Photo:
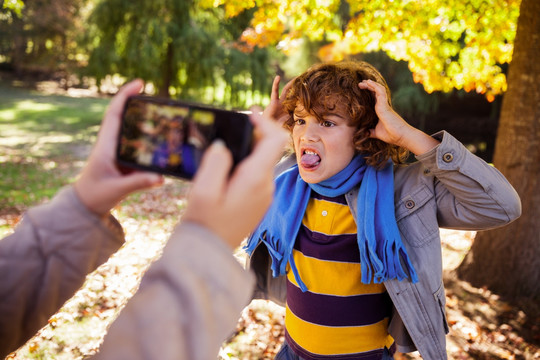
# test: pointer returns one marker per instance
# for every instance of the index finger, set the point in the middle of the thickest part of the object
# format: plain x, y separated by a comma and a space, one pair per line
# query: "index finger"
375, 87
274, 95
287, 87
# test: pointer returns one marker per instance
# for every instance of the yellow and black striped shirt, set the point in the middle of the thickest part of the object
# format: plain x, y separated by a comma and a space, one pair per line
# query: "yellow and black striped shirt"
339, 317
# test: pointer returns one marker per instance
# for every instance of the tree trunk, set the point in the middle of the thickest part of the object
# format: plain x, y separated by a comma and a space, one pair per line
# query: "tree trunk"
507, 260
167, 72
20, 40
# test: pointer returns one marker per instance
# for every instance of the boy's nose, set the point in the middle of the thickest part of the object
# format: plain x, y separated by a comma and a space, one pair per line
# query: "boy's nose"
311, 132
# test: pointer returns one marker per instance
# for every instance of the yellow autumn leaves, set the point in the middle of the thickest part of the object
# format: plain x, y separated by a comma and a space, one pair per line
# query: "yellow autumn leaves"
447, 43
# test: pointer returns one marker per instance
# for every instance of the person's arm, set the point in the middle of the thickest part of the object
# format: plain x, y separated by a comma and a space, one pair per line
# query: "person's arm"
56, 245
190, 299
46, 260
188, 303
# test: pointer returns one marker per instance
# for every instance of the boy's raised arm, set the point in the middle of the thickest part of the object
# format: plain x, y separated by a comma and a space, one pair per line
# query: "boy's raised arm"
392, 128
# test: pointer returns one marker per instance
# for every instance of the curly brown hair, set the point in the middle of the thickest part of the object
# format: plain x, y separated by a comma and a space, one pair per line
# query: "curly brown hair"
325, 86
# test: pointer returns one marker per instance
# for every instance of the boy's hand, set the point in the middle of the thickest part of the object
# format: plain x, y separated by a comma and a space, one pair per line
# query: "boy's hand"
275, 108
232, 206
392, 128
101, 185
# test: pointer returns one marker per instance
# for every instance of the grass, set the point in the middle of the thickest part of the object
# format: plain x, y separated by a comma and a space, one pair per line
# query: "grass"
44, 140
23, 183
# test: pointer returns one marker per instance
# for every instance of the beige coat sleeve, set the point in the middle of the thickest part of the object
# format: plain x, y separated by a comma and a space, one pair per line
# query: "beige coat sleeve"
188, 303
45, 261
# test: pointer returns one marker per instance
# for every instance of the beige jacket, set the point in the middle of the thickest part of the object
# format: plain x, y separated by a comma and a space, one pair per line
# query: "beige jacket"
189, 301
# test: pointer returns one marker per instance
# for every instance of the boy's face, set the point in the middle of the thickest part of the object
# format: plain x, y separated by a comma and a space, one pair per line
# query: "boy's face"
323, 147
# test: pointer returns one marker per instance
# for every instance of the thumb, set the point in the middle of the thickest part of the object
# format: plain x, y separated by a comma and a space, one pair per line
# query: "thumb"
212, 176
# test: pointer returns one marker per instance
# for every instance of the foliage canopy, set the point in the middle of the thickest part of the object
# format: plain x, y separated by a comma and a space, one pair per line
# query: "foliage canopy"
13, 5
174, 44
447, 44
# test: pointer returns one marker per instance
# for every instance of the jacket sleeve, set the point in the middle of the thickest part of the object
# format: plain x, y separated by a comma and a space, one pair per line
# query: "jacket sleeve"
46, 260
471, 194
188, 303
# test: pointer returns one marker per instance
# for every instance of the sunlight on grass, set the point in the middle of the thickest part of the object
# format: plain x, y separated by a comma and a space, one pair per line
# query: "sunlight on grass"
7, 115
5, 230
27, 183
56, 138
30, 105
14, 137
43, 139
96, 108
70, 120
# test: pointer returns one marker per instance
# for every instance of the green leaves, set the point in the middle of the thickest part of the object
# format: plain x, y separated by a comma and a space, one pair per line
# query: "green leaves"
16, 6
185, 47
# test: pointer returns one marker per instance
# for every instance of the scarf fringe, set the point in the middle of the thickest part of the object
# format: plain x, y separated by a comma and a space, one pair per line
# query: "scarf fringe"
393, 267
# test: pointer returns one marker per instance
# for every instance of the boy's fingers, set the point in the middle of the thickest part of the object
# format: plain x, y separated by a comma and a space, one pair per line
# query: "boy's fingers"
212, 175
275, 88
286, 88
366, 85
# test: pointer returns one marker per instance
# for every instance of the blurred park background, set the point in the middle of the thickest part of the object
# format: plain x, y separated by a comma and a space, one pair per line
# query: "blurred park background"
467, 66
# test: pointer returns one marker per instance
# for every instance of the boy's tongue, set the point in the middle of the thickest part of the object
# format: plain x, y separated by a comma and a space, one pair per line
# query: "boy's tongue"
310, 160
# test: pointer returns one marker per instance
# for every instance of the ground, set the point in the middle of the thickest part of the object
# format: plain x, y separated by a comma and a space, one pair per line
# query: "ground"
482, 325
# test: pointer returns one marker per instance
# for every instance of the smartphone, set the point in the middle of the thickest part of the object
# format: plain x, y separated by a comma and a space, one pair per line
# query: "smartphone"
169, 137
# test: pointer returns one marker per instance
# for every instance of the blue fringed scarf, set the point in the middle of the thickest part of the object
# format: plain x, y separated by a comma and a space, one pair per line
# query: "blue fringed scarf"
379, 240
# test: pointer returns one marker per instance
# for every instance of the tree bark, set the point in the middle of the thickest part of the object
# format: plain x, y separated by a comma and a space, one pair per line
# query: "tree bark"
167, 72
507, 260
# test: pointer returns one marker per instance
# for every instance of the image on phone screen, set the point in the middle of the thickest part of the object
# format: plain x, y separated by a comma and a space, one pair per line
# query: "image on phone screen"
170, 137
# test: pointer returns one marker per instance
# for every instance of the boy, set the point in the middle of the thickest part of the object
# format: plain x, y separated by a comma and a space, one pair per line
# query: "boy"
351, 240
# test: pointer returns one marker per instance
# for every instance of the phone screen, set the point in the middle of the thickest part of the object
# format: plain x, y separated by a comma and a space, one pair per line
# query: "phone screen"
170, 137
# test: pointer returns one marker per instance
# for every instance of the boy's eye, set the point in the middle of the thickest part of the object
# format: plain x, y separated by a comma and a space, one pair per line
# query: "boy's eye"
299, 121
327, 123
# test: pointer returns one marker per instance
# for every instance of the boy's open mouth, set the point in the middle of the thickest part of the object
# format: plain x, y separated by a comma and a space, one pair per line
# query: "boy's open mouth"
310, 159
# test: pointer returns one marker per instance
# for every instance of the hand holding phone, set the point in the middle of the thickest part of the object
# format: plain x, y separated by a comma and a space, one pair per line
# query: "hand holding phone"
232, 204
100, 186
169, 137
